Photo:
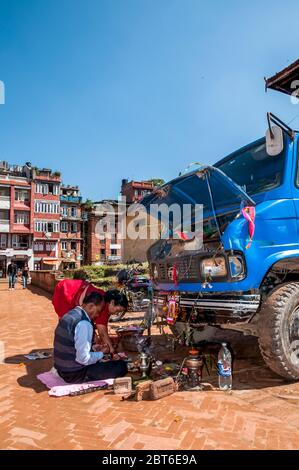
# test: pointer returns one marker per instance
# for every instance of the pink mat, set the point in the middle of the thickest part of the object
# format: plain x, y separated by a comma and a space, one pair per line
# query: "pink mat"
59, 388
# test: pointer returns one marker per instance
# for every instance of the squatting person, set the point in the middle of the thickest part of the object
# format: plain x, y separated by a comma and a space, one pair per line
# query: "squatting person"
74, 359
70, 293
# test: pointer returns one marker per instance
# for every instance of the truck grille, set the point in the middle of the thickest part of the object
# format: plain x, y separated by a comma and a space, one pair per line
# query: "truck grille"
187, 269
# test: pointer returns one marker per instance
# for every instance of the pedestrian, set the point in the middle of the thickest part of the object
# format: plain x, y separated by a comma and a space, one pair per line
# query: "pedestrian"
12, 275
25, 275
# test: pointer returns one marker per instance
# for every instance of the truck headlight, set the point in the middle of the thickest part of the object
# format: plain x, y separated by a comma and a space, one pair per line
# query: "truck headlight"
236, 266
213, 267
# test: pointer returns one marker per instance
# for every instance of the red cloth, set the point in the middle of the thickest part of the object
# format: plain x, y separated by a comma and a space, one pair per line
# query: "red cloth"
67, 295
249, 214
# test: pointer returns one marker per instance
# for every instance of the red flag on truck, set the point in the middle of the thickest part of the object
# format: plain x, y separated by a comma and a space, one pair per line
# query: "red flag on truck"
249, 214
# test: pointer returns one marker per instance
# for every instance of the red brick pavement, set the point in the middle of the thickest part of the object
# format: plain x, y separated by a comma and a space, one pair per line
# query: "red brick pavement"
262, 412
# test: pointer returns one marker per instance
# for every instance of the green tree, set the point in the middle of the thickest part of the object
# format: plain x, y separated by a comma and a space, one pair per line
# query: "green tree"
157, 181
88, 204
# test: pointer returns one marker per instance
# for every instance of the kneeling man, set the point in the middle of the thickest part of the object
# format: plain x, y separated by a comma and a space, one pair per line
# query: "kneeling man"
74, 359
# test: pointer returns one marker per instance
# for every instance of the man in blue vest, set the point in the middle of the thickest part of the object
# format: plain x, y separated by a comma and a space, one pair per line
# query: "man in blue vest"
74, 359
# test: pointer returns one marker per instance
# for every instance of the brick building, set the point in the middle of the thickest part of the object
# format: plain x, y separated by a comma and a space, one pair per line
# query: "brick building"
16, 216
46, 196
134, 191
109, 248
70, 246
42, 223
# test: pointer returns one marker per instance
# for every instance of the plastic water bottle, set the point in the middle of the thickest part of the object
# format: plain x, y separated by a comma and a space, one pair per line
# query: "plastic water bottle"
224, 366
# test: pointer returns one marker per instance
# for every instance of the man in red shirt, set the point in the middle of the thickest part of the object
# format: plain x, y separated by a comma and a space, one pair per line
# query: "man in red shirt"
69, 293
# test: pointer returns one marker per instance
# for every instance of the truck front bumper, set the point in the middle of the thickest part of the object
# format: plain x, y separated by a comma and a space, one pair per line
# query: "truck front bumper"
214, 308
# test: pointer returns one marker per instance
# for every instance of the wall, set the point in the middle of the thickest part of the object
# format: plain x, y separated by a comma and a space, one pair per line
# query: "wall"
136, 249
95, 245
44, 279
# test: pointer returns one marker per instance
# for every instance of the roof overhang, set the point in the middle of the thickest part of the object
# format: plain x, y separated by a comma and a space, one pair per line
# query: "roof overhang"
284, 81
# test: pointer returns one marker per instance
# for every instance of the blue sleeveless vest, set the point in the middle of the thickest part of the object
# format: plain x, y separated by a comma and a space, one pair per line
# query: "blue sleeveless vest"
64, 341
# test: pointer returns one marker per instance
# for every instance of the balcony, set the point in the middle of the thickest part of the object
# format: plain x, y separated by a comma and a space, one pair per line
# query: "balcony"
5, 202
21, 205
75, 218
45, 175
21, 228
74, 199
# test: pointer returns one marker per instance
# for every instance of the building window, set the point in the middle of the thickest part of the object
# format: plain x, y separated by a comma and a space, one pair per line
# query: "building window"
4, 216
53, 227
64, 246
20, 241
43, 188
40, 226
3, 240
21, 218
64, 226
64, 211
103, 251
74, 211
45, 226
22, 195
46, 207
4, 192
74, 227
113, 252
54, 189
50, 246
73, 246
103, 241
38, 246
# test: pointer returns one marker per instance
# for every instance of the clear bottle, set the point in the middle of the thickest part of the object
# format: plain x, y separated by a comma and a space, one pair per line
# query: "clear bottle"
224, 366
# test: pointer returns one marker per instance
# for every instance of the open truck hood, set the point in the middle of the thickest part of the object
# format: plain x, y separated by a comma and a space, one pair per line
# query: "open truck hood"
220, 197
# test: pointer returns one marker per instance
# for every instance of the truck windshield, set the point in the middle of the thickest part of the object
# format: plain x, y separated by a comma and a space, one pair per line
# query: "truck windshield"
253, 169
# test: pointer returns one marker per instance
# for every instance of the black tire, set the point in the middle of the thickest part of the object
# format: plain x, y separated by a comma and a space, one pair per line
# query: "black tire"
278, 330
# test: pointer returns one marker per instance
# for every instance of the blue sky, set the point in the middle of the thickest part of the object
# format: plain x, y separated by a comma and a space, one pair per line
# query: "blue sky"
110, 89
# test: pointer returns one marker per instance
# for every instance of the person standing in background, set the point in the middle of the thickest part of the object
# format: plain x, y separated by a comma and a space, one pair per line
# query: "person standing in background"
25, 275
12, 274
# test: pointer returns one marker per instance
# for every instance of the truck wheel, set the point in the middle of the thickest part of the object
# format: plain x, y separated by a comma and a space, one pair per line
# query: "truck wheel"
279, 330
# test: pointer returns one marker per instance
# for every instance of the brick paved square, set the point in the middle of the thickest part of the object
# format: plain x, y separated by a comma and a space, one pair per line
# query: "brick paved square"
262, 412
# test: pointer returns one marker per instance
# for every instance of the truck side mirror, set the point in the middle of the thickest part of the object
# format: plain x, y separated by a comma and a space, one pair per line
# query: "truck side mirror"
274, 141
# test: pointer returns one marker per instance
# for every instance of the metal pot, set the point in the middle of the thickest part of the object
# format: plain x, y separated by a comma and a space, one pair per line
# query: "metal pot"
194, 364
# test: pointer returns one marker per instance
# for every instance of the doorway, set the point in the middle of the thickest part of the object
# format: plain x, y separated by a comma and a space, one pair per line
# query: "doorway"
3, 266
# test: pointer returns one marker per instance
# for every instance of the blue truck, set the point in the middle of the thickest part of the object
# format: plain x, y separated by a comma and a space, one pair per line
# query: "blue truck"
245, 275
